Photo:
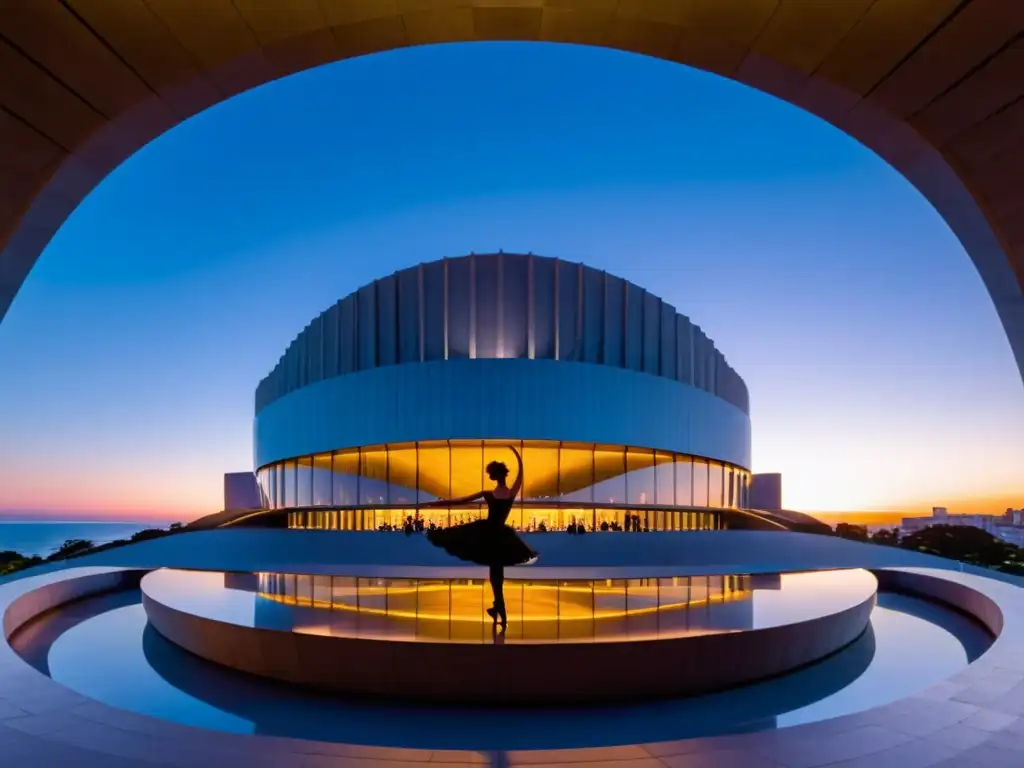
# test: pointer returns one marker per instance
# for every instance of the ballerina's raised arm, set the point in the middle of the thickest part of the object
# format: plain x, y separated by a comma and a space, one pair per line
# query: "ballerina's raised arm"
518, 484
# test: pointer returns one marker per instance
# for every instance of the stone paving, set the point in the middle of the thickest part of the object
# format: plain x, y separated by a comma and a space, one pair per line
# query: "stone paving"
975, 718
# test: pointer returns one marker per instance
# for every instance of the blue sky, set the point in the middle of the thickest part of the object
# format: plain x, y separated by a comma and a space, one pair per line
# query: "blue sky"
879, 374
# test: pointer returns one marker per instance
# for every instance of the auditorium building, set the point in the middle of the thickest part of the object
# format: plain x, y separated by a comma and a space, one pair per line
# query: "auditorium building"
626, 414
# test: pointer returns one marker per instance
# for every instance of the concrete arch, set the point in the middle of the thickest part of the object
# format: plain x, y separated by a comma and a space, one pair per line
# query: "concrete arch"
934, 87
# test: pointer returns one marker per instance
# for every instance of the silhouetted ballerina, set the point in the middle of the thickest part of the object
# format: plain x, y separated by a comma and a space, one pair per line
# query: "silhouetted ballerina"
490, 541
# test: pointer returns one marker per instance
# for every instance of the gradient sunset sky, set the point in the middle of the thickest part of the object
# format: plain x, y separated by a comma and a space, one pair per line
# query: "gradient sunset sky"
880, 376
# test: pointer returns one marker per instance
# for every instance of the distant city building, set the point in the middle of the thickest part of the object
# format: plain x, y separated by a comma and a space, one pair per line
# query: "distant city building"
1009, 526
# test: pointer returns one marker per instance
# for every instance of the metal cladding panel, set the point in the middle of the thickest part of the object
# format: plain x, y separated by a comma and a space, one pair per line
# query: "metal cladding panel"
366, 327
716, 362
543, 303
593, 316
652, 334
684, 349
634, 335
569, 306
700, 359
409, 315
348, 343
387, 321
614, 321
315, 349
460, 307
434, 293
331, 341
515, 305
540, 400
291, 381
302, 363
501, 306
487, 315
668, 340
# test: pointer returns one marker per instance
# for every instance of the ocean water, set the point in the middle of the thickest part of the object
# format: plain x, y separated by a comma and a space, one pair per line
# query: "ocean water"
45, 538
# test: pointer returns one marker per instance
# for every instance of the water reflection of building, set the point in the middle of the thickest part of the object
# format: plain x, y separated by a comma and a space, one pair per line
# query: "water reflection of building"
626, 414
543, 610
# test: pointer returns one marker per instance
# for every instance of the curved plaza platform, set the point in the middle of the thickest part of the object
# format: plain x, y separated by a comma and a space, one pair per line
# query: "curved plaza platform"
569, 642
971, 719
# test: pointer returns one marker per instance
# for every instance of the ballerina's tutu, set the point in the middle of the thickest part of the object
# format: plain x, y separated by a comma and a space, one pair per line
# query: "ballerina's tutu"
484, 542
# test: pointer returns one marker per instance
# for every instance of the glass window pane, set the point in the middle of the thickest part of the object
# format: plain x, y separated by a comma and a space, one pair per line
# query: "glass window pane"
402, 473
289, 483
715, 484
305, 481
467, 468
304, 589
700, 483
346, 478
343, 592
684, 481
639, 477
540, 470
434, 472
609, 474
322, 590
322, 480
576, 473
373, 475
665, 480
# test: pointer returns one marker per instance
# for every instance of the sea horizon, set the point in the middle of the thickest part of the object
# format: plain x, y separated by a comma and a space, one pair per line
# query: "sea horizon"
44, 537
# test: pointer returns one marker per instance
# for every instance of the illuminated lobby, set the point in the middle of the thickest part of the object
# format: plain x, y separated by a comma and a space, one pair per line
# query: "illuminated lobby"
627, 416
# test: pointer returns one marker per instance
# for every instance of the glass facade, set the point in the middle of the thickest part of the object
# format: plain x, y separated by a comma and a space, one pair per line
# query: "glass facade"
598, 487
461, 599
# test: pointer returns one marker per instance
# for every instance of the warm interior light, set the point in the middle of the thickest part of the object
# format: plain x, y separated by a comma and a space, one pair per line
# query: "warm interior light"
447, 601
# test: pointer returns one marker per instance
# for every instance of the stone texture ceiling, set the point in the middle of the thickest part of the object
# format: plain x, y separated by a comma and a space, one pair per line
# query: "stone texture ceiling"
933, 86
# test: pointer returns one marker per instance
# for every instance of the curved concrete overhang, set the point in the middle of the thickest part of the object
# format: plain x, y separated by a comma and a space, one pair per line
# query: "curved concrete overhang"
970, 719
502, 400
934, 88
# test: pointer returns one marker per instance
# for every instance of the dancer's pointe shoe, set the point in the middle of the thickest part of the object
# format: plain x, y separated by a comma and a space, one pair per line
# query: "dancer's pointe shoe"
503, 617
493, 613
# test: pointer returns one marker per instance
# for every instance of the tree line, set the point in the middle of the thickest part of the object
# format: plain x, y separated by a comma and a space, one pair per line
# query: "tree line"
957, 542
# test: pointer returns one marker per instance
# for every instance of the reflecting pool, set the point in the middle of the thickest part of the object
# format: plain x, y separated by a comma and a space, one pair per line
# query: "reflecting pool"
105, 649
540, 611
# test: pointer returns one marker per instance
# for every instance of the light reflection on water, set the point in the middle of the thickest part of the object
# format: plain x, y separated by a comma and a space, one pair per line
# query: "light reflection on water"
115, 658
437, 610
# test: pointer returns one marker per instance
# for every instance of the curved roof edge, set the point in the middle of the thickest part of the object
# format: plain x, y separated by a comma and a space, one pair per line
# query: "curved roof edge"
503, 305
